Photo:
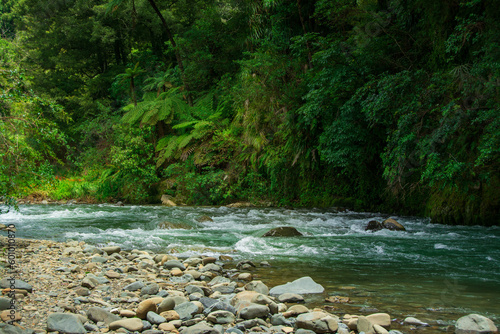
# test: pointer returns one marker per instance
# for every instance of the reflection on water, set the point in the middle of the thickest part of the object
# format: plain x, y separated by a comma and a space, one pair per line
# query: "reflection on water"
431, 271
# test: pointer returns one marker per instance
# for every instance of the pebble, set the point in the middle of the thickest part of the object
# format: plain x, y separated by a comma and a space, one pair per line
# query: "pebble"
8, 316
291, 298
414, 321
132, 324
155, 318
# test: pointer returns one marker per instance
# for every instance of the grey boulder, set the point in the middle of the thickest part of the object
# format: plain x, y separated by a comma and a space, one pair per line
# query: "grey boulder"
97, 314
304, 285
475, 324
65, 323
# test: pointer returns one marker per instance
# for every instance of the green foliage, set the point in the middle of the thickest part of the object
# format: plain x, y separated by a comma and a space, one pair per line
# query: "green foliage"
130, 175
375, 105
154, 109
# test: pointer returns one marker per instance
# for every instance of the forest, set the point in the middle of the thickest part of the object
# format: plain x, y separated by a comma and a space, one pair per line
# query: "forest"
372, 105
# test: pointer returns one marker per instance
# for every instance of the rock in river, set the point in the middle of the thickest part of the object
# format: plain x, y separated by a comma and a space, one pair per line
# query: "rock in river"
393, 225
283, 231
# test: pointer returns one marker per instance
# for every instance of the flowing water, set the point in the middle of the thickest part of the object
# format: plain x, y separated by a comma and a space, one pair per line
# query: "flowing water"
434, 272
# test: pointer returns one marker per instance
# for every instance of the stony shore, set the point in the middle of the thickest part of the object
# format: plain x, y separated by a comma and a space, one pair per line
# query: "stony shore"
74, 287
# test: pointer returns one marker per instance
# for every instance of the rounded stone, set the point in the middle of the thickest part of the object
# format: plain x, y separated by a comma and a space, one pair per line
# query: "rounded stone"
475, 324
290, 298
170, 315
97, 314
283, 231
381, 319
6, 316
245, 277
134, 286
303, 285
111, 249
127, 313
364, 325
208, 259
155, 318
187, 310
171, 264
18, 284
414, 321
319, 322
254, 311
168, 327
4, 303
147, 305
150, 289
176, 272
112, 274
257, 286
65, 323
131, 324
393, 225
166, 304
221, 317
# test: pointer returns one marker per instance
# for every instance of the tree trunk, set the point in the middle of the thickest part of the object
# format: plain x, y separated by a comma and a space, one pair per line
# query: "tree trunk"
177, 53
309, 54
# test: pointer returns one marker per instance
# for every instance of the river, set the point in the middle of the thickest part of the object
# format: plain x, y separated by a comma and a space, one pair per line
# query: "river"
434, 272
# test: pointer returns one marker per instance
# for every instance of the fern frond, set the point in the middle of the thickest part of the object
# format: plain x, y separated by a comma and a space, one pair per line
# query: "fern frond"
169, 150
184, 125
162, 143
202, 124
151, 116
184, 140
135, 114
186, 153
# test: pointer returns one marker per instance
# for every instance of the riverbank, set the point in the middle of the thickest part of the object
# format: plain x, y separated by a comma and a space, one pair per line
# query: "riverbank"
74, 287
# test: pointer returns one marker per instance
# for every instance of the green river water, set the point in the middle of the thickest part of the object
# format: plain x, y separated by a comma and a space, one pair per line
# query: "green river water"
434, 272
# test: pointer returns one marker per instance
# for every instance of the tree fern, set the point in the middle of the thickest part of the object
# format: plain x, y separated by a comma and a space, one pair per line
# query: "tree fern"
194, 132
157, 108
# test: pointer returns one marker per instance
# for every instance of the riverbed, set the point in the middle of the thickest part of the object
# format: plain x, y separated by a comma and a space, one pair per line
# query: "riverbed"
434, 272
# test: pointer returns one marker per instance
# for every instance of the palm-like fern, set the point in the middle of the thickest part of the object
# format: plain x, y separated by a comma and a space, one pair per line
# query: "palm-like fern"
193, 135
154, 109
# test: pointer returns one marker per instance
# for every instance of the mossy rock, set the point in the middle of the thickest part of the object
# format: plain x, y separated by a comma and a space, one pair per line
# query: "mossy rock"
283, 231
392, 225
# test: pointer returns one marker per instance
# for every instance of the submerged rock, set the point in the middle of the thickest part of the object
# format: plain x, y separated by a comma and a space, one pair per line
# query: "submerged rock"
167, 225
283, 231
204, 218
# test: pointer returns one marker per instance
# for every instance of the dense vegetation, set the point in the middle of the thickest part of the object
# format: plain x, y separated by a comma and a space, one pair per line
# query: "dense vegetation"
388, 105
